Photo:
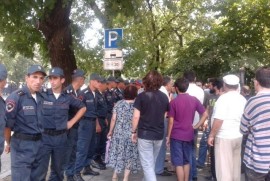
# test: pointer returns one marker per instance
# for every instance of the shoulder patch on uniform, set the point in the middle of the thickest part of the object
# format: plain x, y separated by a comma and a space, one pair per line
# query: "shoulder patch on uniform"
85, 91
10, 105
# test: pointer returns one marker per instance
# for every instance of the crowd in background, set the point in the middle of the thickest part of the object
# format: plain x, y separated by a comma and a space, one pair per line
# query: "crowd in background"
140, 119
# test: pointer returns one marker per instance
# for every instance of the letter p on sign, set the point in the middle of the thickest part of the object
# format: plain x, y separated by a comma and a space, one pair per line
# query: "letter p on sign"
113, 37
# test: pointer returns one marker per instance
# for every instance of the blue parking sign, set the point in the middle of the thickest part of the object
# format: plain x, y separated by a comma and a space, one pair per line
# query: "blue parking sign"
113, 37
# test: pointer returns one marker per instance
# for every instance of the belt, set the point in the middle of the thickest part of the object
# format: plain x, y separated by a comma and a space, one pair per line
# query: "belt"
88, 118
30, 137
53, 132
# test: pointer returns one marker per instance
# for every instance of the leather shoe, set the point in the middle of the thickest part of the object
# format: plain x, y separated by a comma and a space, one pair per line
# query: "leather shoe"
164, 173
98, 165
88, 171
78, 177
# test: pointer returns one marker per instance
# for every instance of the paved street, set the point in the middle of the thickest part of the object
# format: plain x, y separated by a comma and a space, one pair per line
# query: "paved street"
105, 175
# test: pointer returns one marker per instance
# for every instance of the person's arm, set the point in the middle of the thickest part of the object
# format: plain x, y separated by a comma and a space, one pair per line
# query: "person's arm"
113, 120
202, 120
76, 118
170, 125
135, 121
215, 128
7, 138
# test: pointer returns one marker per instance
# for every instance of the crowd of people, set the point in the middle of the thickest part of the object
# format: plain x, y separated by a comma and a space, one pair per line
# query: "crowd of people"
129, 125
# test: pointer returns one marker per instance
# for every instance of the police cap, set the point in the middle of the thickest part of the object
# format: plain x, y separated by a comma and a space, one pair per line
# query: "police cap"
36, 68
56, 71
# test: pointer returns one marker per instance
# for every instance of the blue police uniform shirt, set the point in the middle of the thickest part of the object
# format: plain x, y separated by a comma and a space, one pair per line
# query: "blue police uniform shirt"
110, 99
101, 105
2, 124
23, 112
88, 98
72, 110
118, 94
55, 111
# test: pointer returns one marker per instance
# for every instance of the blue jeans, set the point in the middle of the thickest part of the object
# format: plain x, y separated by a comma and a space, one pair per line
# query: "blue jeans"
54, 148
85, 144
159, 167
148, 152
203, 148
72, 137
25, 159
193, 168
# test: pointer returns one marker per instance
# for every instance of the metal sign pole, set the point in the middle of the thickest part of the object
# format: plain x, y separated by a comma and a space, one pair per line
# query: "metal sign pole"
113, 73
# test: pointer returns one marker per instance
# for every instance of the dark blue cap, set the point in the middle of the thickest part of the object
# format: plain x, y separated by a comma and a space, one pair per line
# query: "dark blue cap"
36, 68
3, 72
111, 79
103, 80
95, 76
56, 71
126, 82
120, 79
78, 73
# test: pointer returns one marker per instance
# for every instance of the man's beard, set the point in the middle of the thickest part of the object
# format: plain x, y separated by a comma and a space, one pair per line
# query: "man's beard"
212, 91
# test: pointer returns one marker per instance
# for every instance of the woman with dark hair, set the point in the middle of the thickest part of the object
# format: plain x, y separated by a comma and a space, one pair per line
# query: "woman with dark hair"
149, 112
123, 153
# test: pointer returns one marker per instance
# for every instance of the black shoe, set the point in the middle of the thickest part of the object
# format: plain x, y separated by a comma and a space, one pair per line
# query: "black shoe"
98, 165
164, 173
88, 171
194, 178
78, 177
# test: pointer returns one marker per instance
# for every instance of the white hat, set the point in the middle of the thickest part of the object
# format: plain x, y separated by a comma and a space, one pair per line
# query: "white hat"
231, 79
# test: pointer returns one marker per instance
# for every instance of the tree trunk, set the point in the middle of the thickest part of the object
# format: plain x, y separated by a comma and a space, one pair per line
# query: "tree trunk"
57, 31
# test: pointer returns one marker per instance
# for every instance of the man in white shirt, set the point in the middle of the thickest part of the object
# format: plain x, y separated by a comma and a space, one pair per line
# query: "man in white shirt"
225, 131
197, 92
159, 167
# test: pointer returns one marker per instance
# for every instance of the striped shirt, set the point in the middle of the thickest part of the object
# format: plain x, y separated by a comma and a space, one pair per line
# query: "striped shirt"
256, 123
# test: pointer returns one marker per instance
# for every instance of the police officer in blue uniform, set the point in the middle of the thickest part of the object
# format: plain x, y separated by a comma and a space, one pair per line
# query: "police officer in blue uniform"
73, 89
110, 97
87, 130
101, 135
23, 117
119, 90
3, 77
56, 122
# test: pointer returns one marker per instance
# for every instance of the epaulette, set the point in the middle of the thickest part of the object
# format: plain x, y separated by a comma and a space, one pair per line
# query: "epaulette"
20, 93
69, 91
85, 90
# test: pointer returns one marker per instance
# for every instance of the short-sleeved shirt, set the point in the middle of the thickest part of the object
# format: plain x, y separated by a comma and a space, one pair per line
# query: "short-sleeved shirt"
210, 101
152, 106
23, 112
229, 108
256, 124
183, 109
56, 111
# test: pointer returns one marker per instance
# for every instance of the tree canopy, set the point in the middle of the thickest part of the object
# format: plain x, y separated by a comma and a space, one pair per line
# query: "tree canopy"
210, 37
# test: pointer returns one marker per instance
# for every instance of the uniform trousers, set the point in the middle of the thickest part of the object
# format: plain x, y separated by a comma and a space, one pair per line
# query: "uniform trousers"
228, 159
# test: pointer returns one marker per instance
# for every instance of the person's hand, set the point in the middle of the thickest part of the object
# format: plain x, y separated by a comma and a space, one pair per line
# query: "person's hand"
167, 141
210, 140
109, 135
98, 128
205, 126
134, 137
7, 149
69, 124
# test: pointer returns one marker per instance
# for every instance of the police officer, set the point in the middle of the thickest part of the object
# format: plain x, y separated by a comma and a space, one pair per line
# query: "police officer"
73, 89
23, 117
3, 77
110, 97
101, 135
119, 90
87, 130
55, 123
